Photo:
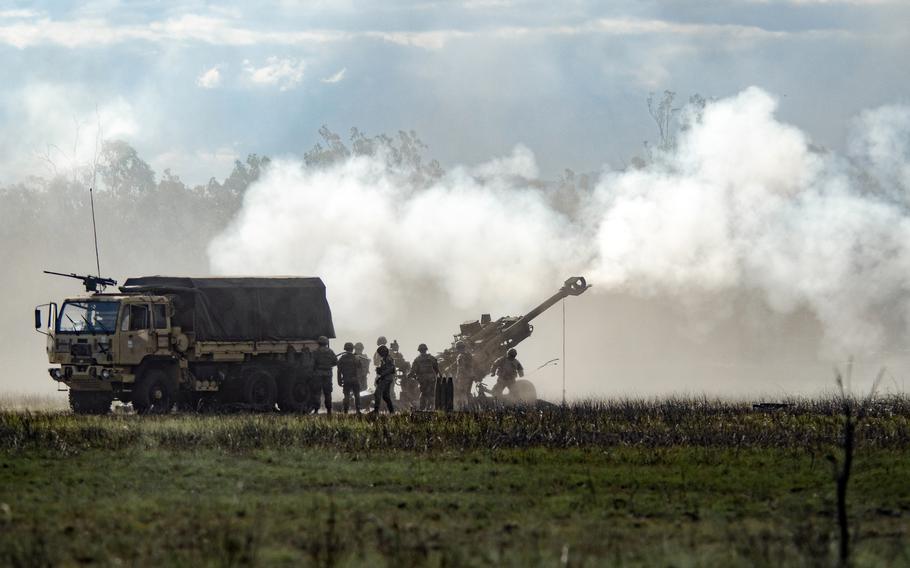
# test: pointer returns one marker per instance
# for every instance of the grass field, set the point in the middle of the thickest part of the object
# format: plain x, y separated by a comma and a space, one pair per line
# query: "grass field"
682, 482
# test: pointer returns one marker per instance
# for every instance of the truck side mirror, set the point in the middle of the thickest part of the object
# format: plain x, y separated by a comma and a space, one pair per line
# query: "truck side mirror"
37, 318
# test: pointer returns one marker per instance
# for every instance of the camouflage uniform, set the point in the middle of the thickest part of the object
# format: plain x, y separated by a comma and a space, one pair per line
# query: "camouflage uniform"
425, 369
324, 359
385, 378
464, 378
349, 379
363, 371
377, 360
505, 368
410, 390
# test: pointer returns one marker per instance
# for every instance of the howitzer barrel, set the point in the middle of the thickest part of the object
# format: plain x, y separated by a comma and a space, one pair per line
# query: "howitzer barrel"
574, 286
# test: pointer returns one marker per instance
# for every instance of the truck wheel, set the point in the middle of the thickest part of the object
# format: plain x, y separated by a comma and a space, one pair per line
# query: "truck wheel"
153, 393
259, 389
294, 395
83, 402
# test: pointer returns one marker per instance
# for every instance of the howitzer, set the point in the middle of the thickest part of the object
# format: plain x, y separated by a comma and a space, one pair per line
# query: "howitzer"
487, 340
90, 282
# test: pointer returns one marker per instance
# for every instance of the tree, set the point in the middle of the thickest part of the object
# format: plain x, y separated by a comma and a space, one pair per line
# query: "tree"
122, 170
334, 150
663, 113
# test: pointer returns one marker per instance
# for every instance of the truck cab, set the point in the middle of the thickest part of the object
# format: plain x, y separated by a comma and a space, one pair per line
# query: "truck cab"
99, 340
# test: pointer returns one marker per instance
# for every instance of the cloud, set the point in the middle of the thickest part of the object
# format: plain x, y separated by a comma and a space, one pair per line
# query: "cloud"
18, 14
810, 2
210, 79
336, 78
32, 30
285, 73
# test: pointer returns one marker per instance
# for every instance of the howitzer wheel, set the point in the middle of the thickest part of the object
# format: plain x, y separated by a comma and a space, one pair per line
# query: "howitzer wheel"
522, 392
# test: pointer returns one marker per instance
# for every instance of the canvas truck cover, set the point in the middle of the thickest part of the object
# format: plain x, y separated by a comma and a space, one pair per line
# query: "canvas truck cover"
244, 309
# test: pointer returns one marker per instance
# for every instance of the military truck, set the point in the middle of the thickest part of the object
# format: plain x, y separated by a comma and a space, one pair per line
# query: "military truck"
487, 340
163, 341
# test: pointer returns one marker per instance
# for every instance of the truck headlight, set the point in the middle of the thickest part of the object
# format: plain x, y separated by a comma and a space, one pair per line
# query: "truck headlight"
106, 374
56, 374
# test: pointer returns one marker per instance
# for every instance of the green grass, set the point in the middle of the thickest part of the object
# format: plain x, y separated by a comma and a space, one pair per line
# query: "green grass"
692, 483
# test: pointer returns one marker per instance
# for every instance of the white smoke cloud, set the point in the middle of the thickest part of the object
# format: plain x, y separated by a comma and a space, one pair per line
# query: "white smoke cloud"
379, 242
745, 204
60, 127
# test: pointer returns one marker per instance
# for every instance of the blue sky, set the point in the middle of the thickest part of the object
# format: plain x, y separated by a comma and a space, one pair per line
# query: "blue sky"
195, 85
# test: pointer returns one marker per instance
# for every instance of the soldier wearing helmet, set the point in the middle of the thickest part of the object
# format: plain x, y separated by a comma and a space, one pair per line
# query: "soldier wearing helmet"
410, 390
507, 368
385, 378
324, 359
349, 377
465, 374
364, 368
425, 369
380, 341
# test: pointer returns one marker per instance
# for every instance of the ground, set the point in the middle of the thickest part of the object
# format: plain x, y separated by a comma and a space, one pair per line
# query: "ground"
673, 483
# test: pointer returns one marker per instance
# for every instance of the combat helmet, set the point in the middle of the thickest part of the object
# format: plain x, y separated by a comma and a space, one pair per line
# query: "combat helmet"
381, 340
394, 346
512, 353
358, 346
422, 347
459, 346
323, 340
348, 346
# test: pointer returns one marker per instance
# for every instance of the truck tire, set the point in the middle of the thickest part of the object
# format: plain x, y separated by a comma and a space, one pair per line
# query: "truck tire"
89, 402
260, 390
154, 393
294, 395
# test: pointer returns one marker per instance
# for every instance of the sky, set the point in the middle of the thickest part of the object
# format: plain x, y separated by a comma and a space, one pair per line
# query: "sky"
195, 85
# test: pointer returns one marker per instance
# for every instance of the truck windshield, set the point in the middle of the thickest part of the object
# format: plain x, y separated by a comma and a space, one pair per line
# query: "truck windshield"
85, 316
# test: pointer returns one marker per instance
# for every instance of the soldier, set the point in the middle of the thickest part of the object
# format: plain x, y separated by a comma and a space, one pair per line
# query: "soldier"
506, 368
464, 374
380, 341
425, 369
363, 370
349, 377
324, 359
385, 378
410, 390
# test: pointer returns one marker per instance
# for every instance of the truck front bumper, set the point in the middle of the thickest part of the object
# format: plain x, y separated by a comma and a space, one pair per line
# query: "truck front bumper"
88, 377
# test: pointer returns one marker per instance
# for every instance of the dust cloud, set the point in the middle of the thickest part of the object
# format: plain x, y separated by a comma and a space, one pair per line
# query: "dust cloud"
742, 260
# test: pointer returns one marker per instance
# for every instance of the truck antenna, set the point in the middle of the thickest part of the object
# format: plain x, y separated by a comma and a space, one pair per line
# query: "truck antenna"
91, 197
